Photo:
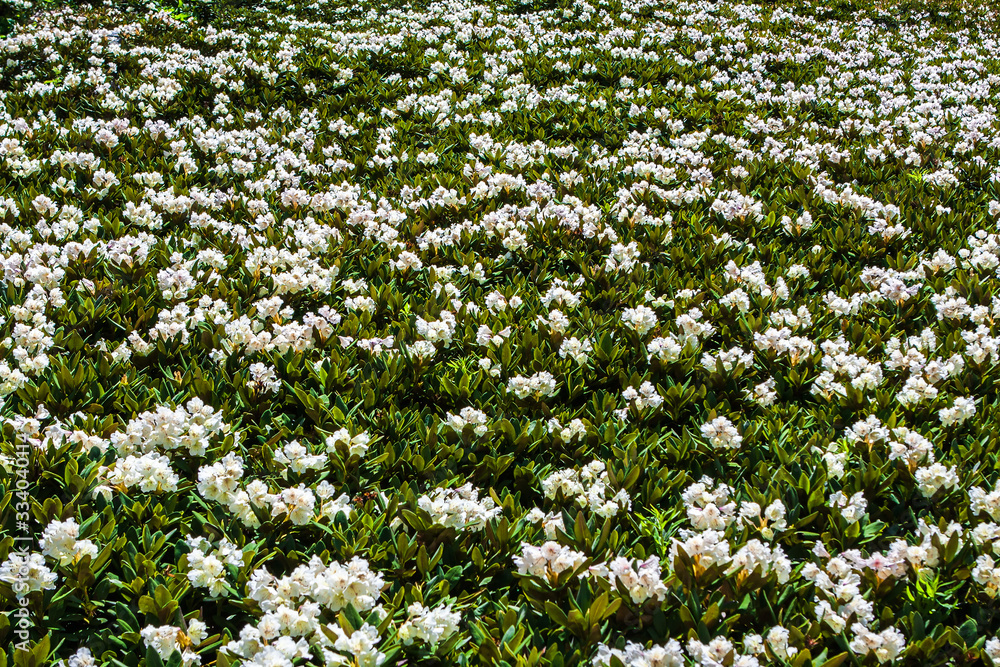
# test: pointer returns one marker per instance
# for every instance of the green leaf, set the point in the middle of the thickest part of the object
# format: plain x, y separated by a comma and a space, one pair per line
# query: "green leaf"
126, 618
557, 615
836, 660
153, 658
352, 616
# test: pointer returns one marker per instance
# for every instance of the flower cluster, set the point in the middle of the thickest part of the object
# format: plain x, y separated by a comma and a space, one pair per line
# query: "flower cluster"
349, 334
167, 640
641, 580
427, 625
206, 566
61, 541
548, 561
587, 487
459, 508
191, 427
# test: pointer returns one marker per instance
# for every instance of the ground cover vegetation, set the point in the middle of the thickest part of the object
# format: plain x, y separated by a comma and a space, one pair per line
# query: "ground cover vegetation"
555, 333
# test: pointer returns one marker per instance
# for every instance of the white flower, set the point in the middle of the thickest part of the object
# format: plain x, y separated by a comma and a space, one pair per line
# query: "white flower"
708, 505
297, 458
963, 409
540, 385
634, 655
932, 478
82, 658
150, 472
721, 433
459, 508
587, 487
777, 639
708, 548
59, 540
332, 587
430, 626
467, 416
757, 555
665, 348
206, 567
640, 319
356, 445
642, 579
219, 481
646, 396
263, 378
438, 331
993, 644
763, 394
27, 573
167, 640
728, 359
192, 427
576, 349
852, 509
299, 503
548, 560
362, 645
886, 645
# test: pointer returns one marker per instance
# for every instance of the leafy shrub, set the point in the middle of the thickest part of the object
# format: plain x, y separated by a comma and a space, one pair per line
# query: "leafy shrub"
514, 333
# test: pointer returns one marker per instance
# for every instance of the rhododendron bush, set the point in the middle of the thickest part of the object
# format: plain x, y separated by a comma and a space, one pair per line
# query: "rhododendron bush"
595, 332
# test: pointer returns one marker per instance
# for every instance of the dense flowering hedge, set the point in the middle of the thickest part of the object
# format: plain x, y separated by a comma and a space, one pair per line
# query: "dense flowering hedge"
643, 333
